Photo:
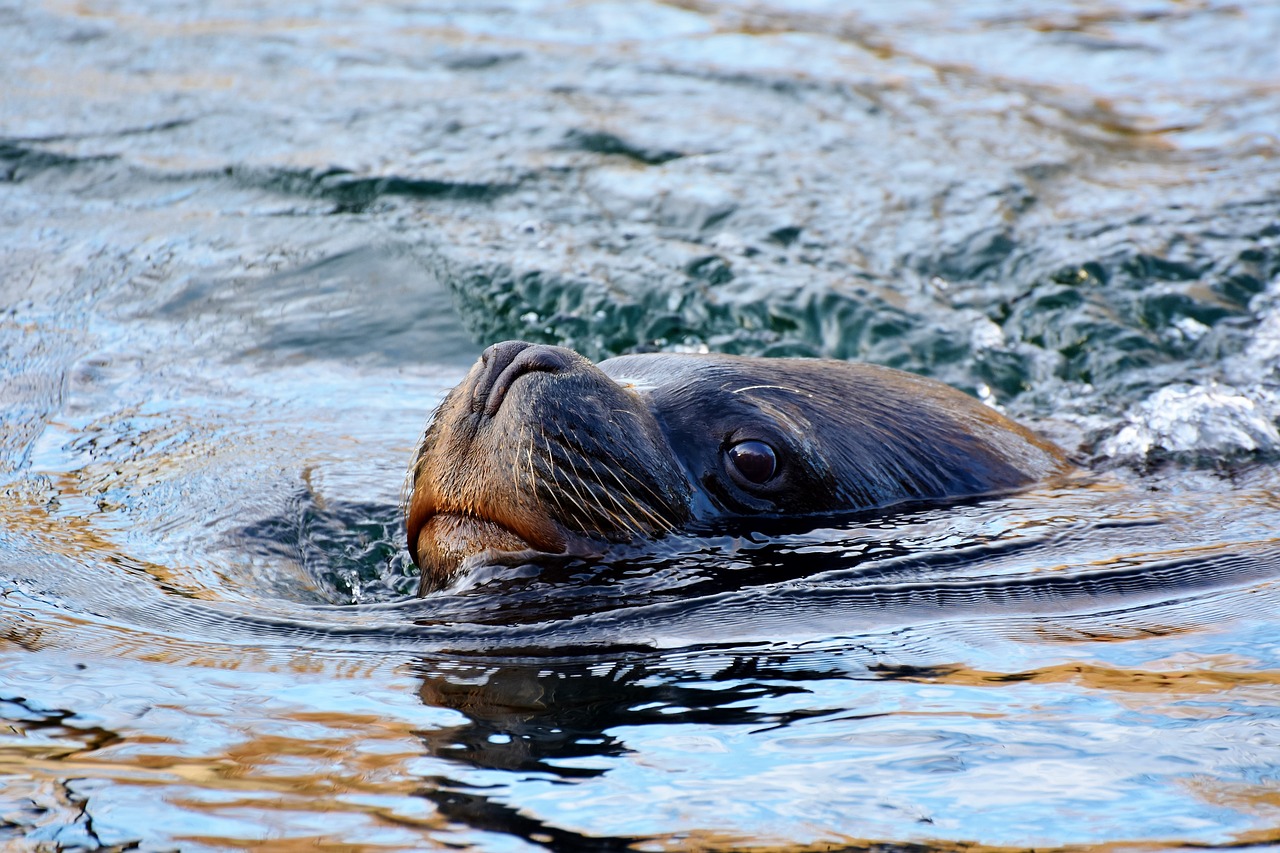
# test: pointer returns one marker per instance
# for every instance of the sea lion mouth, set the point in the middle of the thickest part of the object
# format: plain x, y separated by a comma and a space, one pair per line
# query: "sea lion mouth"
442, 536
503, 533
429, 521
444, 539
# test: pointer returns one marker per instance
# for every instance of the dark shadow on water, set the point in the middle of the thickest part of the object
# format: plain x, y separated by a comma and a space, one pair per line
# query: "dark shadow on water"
551, 717
351, 552
472, 808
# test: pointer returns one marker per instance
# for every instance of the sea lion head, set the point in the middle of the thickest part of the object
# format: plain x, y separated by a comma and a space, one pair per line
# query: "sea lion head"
539, 450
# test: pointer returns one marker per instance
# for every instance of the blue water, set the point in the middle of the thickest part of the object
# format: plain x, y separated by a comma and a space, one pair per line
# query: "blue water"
245, 251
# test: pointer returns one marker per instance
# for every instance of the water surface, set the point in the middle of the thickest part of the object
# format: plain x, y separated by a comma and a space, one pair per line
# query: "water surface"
244, 251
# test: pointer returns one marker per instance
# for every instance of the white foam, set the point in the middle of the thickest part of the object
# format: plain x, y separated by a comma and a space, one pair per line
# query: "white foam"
1193, 419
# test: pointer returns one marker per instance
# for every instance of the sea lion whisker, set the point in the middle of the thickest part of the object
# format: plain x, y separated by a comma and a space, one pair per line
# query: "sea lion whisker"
579, 453
550, 481
614, 500
580, 501
658, 524
774, 387
532, 490
594, 466
658, 500
614, 510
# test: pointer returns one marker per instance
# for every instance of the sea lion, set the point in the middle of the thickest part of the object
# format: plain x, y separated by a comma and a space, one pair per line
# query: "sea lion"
538, 450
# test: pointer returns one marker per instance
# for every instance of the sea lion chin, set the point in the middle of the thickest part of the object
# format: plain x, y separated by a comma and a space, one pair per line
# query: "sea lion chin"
540, 451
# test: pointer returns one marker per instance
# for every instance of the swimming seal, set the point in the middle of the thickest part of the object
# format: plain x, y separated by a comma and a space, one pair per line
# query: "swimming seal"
538, 450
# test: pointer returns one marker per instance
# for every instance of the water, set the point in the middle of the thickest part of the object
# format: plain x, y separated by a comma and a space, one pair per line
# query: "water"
244, 251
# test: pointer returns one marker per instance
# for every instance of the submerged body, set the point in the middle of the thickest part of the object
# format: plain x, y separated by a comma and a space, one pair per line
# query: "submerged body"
540, 451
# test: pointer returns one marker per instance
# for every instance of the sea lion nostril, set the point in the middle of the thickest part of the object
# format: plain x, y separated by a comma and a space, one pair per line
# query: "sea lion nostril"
504, 363
499, 355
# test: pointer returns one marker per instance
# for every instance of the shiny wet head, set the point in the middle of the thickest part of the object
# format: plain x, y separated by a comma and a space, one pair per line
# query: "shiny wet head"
794, 437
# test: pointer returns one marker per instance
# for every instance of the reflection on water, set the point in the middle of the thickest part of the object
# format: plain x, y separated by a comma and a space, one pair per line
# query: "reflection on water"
1082, 650
245, 251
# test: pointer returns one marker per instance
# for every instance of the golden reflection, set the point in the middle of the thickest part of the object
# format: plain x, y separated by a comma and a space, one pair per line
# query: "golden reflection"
1097, 677
358, 764
77, 539
312, 843
1087, 118
1052, 632
706, 841
1259, 799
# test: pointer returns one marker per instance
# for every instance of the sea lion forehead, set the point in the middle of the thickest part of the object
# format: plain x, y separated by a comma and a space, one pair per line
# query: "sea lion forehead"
730, 374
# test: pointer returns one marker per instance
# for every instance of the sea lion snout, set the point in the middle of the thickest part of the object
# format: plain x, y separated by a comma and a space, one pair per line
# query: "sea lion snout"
504, 363
537, 450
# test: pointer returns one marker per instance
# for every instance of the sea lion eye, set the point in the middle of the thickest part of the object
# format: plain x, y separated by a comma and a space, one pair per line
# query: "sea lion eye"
754, 460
